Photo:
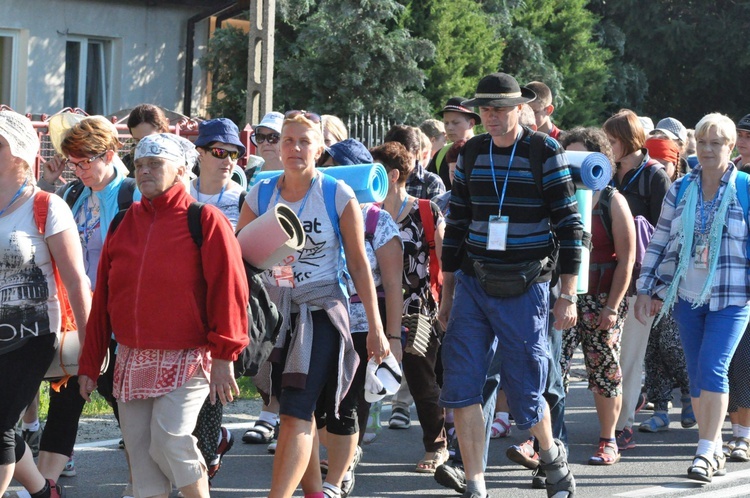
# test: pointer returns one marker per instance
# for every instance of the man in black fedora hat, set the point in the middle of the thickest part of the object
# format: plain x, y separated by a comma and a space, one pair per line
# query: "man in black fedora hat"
512, 215
459, 122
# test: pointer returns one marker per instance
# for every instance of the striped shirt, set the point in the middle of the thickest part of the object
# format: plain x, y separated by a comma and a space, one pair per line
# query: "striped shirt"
536, 218
731, 286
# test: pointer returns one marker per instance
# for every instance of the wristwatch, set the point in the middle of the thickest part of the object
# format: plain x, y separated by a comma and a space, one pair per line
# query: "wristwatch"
573, 299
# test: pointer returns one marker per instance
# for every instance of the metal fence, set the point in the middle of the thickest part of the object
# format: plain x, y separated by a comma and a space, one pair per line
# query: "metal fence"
186, 127
368, 129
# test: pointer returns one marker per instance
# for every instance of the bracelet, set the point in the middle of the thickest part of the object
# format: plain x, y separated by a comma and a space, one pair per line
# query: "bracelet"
609, 308
394, 337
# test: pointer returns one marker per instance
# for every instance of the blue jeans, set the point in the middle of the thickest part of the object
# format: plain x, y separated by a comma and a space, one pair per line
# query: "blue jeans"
709, 339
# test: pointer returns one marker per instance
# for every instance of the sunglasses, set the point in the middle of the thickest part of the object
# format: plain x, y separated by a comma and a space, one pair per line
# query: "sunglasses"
259, 138
307, 115
220, 153
85, 164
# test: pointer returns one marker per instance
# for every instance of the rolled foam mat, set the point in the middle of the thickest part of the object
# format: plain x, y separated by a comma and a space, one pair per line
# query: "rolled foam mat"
272, 238
590, 170
584, 198
369, 181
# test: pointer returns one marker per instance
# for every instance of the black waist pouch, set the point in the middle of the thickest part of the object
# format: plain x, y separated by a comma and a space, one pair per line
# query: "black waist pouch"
507, 279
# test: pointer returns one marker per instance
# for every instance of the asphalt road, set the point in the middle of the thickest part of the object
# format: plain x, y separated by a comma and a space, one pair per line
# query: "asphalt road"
656, 467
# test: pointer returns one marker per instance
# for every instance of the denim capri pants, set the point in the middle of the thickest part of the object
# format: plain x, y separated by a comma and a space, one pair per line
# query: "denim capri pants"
520, 326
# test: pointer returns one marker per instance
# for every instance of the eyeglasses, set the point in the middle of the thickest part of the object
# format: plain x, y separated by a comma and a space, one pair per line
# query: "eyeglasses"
85, 164
220, 153
259, 138
307, 115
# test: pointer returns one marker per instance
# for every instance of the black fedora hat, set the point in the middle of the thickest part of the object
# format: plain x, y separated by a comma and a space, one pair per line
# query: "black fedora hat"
454, 104
500, 90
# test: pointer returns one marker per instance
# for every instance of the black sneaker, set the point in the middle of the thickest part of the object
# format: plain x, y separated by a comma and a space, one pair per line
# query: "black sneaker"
451, 476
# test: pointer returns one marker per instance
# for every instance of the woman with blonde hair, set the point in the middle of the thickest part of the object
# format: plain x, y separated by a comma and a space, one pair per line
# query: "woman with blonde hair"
314, 350
334, 130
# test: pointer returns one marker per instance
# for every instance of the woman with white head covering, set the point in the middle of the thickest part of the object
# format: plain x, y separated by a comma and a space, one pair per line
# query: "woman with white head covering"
178, 312
30, 311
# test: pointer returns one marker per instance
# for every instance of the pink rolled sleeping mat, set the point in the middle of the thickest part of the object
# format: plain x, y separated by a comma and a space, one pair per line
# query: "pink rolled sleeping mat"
272, 238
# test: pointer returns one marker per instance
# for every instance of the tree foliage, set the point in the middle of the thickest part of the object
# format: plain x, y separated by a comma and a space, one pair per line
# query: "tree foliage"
350, 56
467, 45
226, 61
690, 51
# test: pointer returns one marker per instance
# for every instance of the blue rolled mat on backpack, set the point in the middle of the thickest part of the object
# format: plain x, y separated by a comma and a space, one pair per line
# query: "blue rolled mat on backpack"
590, 170
369, 181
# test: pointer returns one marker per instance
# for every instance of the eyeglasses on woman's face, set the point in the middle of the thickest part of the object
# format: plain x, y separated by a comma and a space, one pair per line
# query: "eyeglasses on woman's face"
259, 138
220, 153
85, 164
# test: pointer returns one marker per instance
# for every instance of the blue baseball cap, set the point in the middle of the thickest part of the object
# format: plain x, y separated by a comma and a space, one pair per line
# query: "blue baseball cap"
219, 130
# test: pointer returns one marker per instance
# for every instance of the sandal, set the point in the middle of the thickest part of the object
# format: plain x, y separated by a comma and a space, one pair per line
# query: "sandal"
524, 454
568, 482
400, 419
658, 422
606, 455
728, 447
428, 465
499, 429
700, 472
261, 433
687, 416
741, 450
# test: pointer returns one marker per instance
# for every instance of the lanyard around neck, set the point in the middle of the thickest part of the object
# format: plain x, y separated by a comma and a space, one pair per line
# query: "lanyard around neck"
15, 197
500, 197
304, 199
198, 189
632, 179
403, 206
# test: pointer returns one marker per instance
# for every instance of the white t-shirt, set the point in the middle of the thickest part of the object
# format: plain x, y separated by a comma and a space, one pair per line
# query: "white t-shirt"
28, 294
228, 202
318, 261
385, 230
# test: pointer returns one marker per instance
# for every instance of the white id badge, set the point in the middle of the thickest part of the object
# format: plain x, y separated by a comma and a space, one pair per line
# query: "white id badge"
497, 233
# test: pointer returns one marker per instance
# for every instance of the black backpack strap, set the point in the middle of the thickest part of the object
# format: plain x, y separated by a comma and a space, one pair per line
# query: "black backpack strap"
116, 221
71, 191
125, 194
194, 222
243, 194
536, 159
604, 209
471, 151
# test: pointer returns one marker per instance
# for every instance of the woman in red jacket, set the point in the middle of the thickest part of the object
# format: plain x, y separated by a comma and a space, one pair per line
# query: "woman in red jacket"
178, 312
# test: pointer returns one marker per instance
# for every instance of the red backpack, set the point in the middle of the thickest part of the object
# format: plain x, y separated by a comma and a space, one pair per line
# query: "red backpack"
428, 222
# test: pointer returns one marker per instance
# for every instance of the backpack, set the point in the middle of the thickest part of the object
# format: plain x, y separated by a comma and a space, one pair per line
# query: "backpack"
644, 230
428, 222
264, 320
71, 191
741, 182
67, 318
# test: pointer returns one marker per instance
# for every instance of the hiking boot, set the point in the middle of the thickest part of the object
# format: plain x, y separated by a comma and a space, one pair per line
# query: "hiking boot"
451, 476
70, 467
32, 438
224, 446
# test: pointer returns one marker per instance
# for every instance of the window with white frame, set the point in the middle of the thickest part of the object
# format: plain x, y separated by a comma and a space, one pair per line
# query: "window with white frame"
8, 67
88, 74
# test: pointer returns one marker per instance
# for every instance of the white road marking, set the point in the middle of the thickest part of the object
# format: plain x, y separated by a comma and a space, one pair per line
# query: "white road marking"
675, 487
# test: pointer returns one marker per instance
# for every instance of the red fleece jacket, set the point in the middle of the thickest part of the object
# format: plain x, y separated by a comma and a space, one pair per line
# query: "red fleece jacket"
152, 293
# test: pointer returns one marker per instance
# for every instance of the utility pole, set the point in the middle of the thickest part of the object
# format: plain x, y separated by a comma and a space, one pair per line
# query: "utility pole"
260, 60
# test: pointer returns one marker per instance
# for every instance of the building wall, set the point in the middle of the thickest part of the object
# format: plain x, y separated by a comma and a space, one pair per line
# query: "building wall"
145, 47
